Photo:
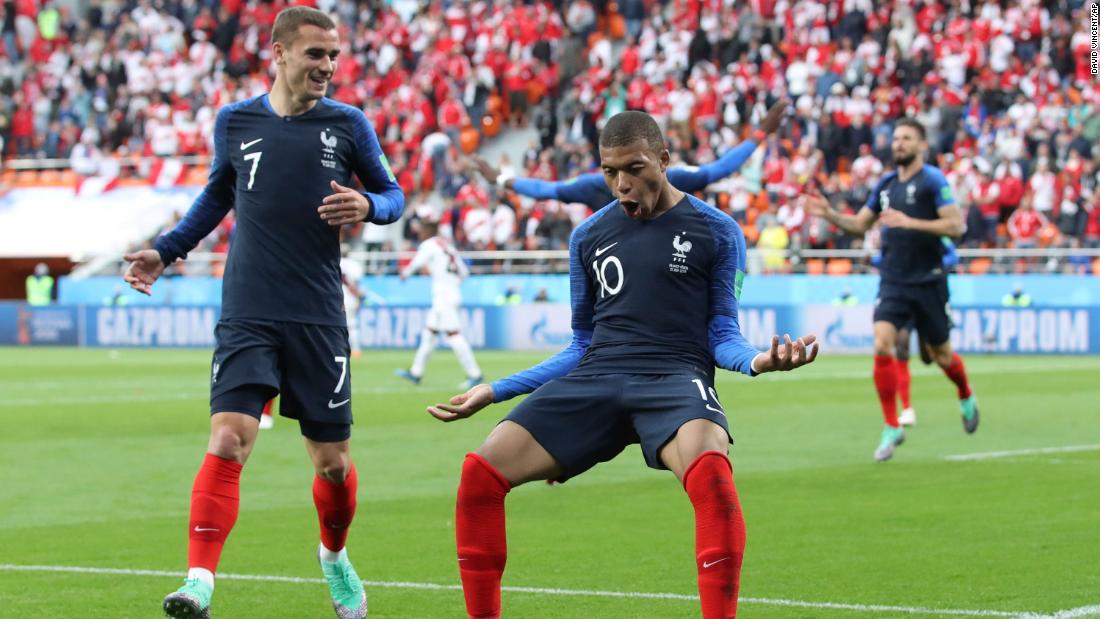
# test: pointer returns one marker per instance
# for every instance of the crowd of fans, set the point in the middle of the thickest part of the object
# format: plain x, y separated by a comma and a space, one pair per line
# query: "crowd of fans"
1004, 88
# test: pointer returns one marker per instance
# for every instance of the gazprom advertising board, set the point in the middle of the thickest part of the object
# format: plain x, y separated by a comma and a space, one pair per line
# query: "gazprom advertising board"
546, 326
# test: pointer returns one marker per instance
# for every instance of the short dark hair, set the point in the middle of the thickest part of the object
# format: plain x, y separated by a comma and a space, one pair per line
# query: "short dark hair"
628, 127
289, 20
912, 123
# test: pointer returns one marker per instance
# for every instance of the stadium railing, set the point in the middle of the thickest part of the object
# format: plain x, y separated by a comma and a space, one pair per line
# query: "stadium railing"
808, 261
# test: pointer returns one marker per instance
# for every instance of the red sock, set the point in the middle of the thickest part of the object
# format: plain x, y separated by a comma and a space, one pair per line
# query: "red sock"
335, 504
957, 373
903, 382
215, 499
479, 529
719, 533
886, 382
268, 406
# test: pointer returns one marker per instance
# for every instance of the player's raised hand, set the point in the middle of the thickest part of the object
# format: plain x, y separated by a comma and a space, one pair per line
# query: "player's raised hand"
774, 118
489, 172
787, 357
463, 405
145, 267
815, 203
344, 206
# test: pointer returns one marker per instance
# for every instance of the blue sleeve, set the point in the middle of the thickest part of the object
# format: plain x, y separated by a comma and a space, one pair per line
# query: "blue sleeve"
697, 178
582, 300
944, 196
587, 189
535, 188
873, 202
950, 256
373, 169
730, 348
212, 204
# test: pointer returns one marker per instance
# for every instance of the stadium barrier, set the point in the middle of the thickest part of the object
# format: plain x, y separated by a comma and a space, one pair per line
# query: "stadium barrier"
1062, 330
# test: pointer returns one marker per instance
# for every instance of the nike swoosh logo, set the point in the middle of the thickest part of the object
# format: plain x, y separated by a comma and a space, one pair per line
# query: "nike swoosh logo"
599, 252
332, 404
707, 564
247, 145
200, 529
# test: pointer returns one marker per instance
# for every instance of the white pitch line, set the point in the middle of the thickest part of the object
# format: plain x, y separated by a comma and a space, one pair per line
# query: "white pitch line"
990, 455
947, 612
1073, 613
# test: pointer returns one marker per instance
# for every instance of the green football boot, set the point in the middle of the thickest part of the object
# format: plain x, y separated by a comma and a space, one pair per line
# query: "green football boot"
969, 408
349, 599
191, 601
891, 438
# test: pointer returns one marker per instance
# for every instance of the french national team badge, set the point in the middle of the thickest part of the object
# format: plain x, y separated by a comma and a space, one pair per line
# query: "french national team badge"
910, 194
328, 149
681, 246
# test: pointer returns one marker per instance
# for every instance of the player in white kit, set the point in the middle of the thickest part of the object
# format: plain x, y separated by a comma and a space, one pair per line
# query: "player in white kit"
447, 271
351, 271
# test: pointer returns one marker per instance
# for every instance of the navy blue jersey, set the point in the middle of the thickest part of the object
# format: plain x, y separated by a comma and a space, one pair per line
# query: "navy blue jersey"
284, 261
591, 189
911, 256
651, 296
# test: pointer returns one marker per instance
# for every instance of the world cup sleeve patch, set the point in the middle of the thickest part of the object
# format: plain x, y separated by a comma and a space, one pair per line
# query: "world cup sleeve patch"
738, 283
386, 164
945, 193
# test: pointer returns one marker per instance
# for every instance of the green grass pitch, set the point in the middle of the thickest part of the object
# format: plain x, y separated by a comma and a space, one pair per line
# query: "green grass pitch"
98, 450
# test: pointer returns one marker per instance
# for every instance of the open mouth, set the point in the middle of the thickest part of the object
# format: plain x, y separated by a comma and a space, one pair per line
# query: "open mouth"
320, 82
632, 208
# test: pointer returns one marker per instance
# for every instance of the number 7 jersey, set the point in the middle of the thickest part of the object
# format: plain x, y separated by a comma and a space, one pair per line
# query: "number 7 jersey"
284, 261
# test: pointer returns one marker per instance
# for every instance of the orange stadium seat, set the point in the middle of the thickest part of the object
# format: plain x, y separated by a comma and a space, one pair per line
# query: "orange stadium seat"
1096, 267
616, 26
751, 214
751, 233
49, 178
839, 266
815, 266
196, 175
490, 124
722, 201
980, 266
468, 140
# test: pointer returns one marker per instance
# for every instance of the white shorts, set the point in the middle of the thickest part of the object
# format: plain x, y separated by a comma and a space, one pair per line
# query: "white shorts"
443, 318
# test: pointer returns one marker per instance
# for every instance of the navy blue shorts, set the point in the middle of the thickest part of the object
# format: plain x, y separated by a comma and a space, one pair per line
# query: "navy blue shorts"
584, 420
308, 365
924, 307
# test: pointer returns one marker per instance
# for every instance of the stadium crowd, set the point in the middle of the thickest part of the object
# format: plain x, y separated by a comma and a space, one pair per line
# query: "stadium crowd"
1003, 87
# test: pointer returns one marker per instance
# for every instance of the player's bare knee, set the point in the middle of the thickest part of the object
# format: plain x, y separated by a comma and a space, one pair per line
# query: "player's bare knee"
336, 473
229, 442
334, 468
943, 356
884, 347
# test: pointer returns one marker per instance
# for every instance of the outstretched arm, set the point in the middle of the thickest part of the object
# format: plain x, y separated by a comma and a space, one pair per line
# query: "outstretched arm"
728, 345
211, 205
577, 189
206, 212
697, 178
816, 204
526, 381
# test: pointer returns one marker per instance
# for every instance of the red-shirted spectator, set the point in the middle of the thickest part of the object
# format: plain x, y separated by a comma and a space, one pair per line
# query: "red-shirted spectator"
1024, 226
